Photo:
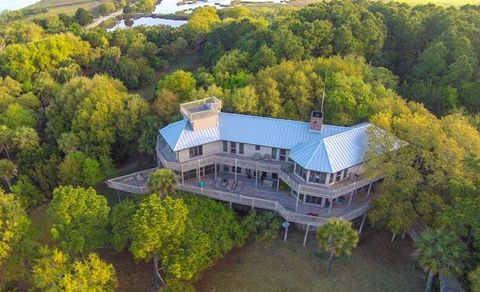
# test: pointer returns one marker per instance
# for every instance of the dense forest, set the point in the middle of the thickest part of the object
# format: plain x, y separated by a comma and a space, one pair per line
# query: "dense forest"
75, 104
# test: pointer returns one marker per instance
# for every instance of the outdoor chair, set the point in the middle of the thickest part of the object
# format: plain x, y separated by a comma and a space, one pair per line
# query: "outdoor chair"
230, 184
239, 185
224, 182
218, 182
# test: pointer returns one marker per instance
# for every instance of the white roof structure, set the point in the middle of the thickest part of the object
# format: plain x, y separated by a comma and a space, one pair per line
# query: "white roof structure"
333, 149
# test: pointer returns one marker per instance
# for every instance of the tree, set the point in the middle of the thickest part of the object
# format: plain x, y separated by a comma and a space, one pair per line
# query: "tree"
162, 181
8, 170
80, 219
166, 104
120, 221
83, 17
337, 237
263, 226
27, 193
474, 278
14, 224
439, 251
100, 113
157, 225
78, 169
202, 20
180, 83
54, 271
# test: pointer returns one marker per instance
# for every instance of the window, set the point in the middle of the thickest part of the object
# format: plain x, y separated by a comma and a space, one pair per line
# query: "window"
317, 177
240, 150
238, 169
225, 168
338, 176
257, 147
196, 151
274, 153
301, 172
313, 200
283, 154
345, 172
331, 178
225, 146
274, 175
233, 147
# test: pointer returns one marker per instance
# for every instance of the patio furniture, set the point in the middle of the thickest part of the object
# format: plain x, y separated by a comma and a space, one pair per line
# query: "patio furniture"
218, 182
257, 156
268, 183
239, 185
230, 184
224, 182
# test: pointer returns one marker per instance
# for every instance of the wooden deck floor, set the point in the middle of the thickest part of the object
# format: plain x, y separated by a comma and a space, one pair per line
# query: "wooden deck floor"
288, 201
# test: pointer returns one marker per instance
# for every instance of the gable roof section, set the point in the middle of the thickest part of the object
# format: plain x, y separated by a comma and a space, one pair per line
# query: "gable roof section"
270, 132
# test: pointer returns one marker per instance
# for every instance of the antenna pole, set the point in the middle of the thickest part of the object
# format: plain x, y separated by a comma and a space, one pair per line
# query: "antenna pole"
324, 89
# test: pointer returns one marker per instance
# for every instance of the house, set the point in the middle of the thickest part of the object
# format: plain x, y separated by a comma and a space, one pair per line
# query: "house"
305, 171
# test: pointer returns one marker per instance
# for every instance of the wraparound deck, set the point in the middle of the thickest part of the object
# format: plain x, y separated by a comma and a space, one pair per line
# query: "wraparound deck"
257, 196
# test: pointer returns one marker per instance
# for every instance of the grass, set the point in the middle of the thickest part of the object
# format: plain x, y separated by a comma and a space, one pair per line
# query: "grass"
456, 3
41, 224
375, 265
65, 6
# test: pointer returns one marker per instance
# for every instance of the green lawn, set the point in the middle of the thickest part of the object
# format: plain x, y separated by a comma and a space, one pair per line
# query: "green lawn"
442, 2
65, 6
376, 265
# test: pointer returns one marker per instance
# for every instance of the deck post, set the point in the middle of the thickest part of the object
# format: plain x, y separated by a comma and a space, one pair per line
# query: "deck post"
256, 174
351, 198
235, 171
369, 189
181, 170
278, 182
276, 207
330, 207
285, 235
296, 201
230, 203
215, 166
253, 203
363, 222
198, 169
118, 196
306, 235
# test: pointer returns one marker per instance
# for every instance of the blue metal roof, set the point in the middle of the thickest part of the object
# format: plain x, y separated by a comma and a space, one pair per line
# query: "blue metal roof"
330, 150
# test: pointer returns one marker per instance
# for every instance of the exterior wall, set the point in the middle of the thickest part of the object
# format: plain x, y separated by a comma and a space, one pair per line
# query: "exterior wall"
217, 147
206, 122
208, 149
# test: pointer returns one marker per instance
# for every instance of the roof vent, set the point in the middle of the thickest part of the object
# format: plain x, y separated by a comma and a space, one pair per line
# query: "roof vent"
316, 121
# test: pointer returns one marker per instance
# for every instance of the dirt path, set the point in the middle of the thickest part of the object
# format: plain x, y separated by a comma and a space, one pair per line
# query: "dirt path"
99, 20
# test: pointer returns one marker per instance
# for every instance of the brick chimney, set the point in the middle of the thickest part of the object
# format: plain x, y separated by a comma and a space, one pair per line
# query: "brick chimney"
316, 121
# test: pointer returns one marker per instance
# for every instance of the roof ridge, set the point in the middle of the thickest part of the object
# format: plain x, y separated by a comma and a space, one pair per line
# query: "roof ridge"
320, 143
280, 119
351, 129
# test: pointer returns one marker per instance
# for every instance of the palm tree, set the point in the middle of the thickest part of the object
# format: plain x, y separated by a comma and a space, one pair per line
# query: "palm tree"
7, 171
337, 237
439, 251
162, 181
